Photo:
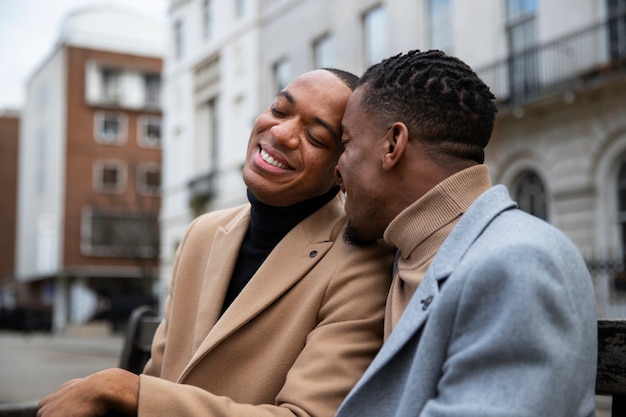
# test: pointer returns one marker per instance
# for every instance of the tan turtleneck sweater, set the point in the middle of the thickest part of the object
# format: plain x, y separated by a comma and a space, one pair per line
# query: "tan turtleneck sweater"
420, 230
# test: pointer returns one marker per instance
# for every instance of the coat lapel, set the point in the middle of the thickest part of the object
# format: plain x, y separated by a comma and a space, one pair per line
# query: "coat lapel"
303, 247
219, 268
472, 223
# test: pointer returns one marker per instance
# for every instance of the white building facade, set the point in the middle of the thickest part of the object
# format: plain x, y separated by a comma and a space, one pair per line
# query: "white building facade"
556, 67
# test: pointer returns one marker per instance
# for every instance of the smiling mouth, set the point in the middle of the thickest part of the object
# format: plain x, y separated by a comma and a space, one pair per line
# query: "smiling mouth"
267, 158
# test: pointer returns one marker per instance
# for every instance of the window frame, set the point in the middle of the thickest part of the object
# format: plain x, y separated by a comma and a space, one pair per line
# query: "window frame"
143, 122
99, 167
142, 186
111, 86
281, 74
375, 45
132, 249
100, 134
522, 180
323, 51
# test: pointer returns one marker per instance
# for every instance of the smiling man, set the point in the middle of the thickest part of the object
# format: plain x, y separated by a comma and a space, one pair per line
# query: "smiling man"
270, 312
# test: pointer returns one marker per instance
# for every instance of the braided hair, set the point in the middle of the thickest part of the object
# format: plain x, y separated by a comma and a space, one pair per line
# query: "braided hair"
443, 103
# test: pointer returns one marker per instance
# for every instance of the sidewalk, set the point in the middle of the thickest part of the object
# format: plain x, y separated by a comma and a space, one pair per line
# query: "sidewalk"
34, 365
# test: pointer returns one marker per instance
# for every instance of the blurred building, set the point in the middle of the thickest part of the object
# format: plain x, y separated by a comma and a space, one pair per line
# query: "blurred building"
90, 168
9, 134
557, 69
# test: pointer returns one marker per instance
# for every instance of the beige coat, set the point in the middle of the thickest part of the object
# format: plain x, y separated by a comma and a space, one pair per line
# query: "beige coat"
294, 341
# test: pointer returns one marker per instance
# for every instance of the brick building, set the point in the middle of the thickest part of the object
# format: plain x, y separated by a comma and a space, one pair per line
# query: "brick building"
90, 168
9, 133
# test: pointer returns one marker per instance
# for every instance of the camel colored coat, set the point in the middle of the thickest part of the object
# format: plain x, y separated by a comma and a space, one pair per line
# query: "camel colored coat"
294, 341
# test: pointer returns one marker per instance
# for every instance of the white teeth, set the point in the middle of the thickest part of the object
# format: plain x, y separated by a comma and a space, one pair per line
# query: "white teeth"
272, 161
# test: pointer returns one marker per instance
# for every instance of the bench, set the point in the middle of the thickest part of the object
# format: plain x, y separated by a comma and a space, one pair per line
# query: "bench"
142, 324
610, 379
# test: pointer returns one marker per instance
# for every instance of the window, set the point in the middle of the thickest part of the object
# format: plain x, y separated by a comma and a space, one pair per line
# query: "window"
149, 131
178, 39
521, 33
240, 8
617, 28
207, 18
149, 178
530, 194
118, 232
375, 35
282, 74
111, 85
110, 128
109, 176
440, 25
152, 90
322, 52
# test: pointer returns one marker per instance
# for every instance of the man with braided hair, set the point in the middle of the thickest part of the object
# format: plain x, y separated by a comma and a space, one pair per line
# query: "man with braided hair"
491, 311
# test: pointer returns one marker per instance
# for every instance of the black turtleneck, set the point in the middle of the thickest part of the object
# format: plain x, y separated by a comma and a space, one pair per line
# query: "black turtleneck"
268, 225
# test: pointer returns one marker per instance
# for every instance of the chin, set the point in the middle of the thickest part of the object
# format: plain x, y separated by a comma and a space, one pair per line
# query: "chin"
352, 237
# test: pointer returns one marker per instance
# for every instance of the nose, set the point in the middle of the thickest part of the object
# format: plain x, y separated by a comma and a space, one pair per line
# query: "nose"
286, 133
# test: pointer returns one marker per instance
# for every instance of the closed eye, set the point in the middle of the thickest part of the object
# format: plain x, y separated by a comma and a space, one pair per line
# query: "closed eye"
277, 113
315, 141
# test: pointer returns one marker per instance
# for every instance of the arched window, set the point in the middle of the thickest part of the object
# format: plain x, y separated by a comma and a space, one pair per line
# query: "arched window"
530, 194
619, 278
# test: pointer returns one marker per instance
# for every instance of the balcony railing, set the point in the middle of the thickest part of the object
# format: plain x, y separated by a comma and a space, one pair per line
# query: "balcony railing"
576, 59
201, 191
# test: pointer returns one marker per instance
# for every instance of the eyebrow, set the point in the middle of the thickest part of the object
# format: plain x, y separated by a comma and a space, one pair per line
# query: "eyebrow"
316, 119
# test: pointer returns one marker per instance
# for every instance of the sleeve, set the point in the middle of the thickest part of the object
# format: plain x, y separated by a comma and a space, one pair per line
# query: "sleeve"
337, 351
154, 365
523, 342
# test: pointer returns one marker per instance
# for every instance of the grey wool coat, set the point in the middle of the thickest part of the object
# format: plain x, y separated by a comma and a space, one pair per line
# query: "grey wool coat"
503, 324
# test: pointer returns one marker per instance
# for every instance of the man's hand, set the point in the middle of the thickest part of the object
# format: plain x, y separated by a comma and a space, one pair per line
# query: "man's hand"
112, 391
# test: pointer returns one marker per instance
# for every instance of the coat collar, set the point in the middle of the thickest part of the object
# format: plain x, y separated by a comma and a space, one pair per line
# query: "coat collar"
488, 206
301, 249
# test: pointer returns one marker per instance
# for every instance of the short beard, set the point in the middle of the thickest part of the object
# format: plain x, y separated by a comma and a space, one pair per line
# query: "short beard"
351, 237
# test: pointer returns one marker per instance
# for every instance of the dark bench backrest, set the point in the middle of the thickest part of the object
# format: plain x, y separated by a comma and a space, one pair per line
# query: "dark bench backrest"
611, 377
142, 324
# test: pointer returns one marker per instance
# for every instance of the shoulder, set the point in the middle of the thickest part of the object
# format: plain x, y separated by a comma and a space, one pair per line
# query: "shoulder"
218, 218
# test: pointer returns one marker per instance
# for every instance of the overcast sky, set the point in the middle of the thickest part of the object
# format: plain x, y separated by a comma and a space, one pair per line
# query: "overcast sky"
29, 30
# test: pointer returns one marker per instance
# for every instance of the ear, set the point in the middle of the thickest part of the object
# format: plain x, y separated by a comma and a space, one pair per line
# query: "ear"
396, 141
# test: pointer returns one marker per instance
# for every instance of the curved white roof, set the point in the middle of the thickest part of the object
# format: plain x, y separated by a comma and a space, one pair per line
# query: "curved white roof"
114, 28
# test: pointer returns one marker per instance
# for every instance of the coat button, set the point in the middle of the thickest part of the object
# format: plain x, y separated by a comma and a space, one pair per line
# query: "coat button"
313, 254
426, 302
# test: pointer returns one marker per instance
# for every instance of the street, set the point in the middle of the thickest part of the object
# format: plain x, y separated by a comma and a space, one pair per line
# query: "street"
34, 365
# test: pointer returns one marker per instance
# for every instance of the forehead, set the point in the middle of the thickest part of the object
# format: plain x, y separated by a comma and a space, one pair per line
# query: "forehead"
354, 113
319, 87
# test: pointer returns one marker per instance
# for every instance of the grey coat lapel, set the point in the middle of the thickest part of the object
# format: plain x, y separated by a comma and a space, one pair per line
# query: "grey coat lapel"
472, 223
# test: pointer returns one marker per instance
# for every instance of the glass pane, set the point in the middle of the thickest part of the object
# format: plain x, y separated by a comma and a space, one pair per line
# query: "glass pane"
515, 8
323, 52
110, 176
282, 74
440, 25
153, 179
375, 28
530, 195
